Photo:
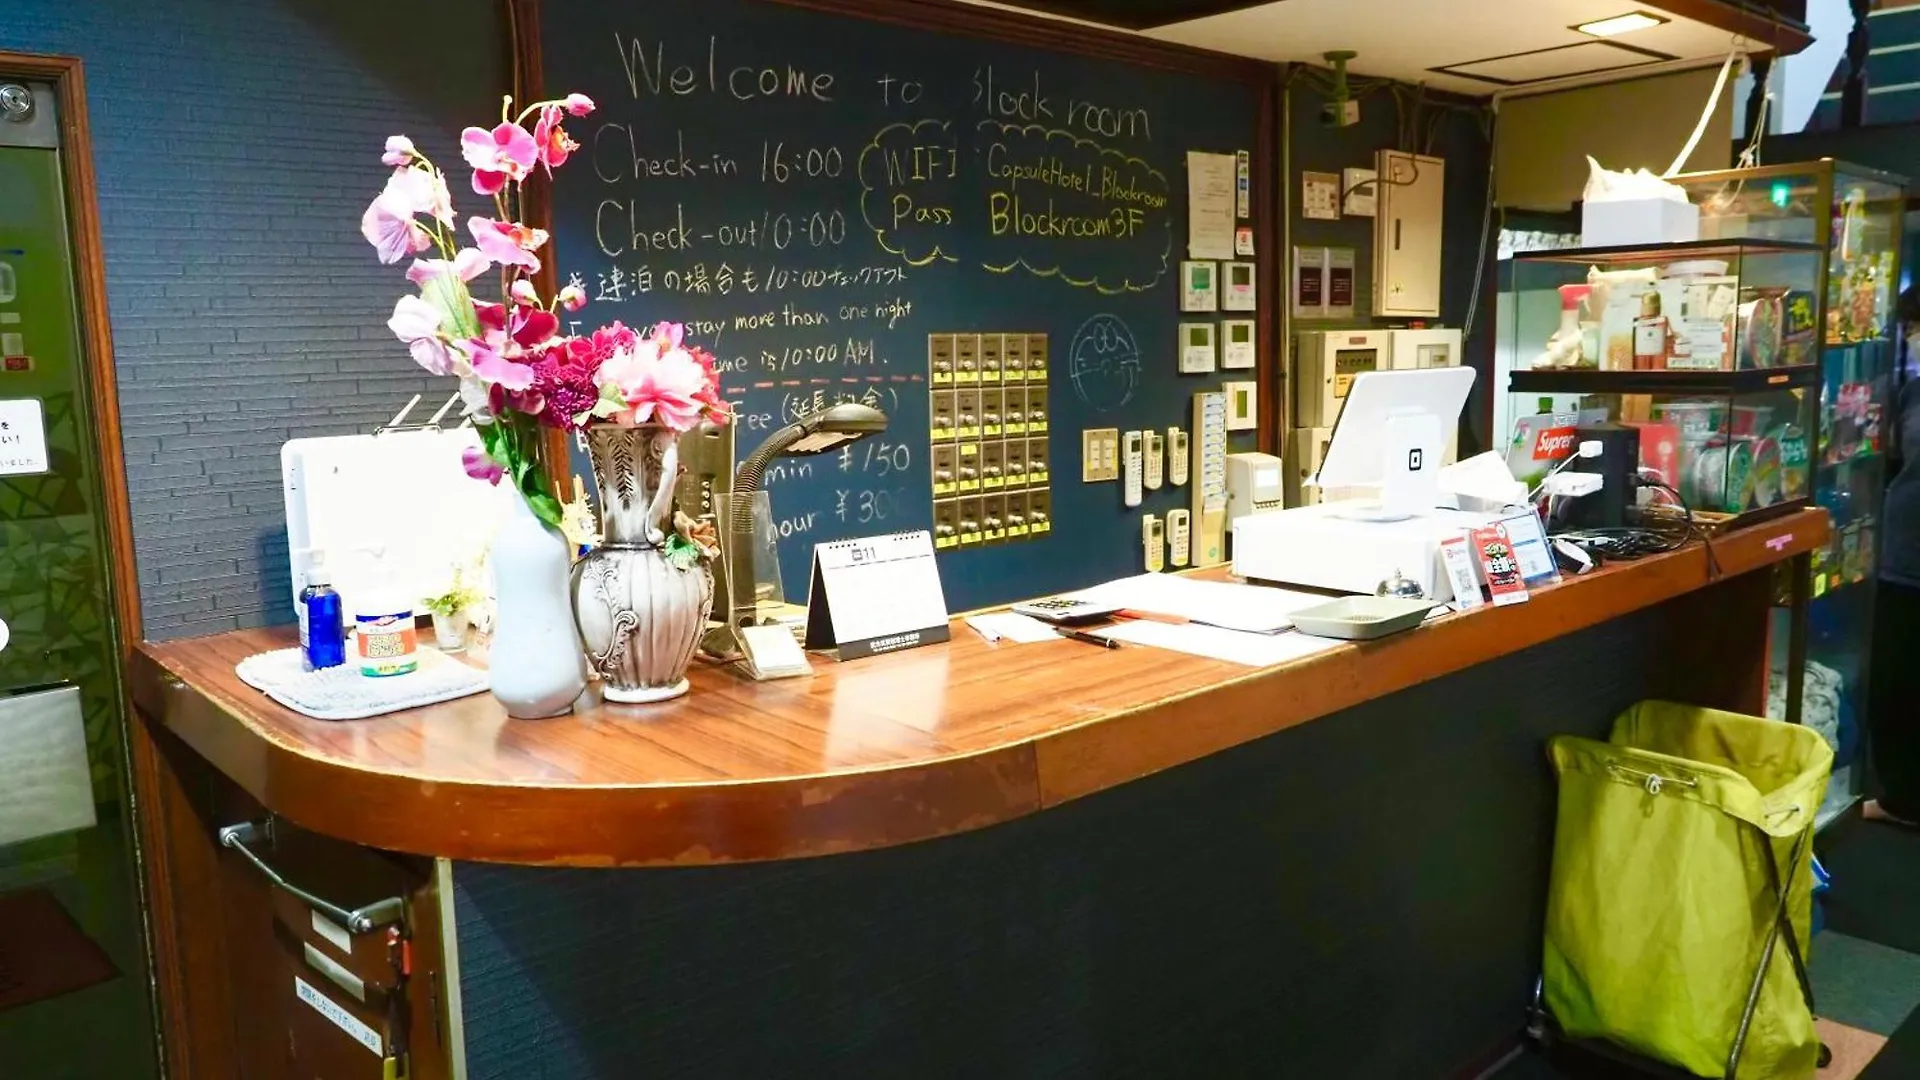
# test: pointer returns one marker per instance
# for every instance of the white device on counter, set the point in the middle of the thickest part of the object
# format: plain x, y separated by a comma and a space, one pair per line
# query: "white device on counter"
1153, 539
1209, 479
1387, 439
394, 507
1131, 457
1391, 435
1156, 449
1326, 362
1176, 456
1180, 536
1256, 484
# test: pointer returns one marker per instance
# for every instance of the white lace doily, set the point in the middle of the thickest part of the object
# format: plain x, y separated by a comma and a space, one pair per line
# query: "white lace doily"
342, 693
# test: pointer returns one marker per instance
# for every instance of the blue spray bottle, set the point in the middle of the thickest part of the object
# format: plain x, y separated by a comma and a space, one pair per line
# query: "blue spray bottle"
323, 634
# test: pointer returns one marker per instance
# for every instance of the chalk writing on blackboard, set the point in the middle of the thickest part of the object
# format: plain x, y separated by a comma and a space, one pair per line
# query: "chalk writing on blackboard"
909, 186
1062, 206
1104, 362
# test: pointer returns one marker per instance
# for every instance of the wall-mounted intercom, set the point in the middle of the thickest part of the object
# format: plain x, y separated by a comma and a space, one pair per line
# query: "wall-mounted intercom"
1238, 292
1196, 348
1237, 344
1199, 286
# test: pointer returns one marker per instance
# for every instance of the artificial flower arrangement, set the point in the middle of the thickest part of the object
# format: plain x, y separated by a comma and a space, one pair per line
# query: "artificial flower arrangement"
517, 371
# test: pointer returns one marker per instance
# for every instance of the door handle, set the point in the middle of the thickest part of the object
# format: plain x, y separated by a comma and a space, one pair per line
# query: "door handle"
359, 920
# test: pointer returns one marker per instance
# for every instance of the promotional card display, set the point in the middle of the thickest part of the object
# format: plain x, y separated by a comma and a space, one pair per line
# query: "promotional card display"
1493, 550
876, 594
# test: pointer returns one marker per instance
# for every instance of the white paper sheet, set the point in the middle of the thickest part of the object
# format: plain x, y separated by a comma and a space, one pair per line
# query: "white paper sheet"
1011, 626
1210, 179
1256, 609
1234, 646
47, 786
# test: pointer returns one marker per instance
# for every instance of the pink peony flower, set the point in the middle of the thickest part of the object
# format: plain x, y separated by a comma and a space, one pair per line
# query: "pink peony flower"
656, 387
480, 466
573, 298
506, 153
508, 243
418, 323
400, 150
578, 104
467, 264
389, 223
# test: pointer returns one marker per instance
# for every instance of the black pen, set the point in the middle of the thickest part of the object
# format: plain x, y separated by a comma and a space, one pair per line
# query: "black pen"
1091, 639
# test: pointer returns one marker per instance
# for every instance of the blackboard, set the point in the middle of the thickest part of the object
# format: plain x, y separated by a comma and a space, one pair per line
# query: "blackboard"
815, 194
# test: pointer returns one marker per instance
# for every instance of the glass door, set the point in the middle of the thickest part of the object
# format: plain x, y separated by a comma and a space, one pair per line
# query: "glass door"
74, 999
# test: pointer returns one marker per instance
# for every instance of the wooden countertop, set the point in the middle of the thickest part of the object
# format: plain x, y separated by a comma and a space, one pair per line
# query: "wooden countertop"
874, 752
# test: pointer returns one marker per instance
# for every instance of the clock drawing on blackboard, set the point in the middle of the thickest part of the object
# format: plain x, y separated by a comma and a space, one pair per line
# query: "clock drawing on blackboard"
1104, 363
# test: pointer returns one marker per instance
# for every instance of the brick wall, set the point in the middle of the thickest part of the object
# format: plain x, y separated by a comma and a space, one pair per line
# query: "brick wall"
237, 144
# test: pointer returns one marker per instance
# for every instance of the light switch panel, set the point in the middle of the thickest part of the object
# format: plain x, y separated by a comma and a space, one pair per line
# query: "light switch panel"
1099, 455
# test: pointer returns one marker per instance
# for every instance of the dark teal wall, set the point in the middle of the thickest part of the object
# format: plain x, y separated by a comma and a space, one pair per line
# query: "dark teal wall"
236, 145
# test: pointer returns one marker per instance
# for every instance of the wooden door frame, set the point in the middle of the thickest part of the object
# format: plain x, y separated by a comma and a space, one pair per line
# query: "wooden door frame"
96, 332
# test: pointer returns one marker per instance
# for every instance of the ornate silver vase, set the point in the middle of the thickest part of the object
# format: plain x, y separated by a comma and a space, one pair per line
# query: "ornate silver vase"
640, 616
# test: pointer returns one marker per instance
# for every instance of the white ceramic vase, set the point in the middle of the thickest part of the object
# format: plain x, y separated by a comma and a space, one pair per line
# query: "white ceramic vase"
640, 616
534, 660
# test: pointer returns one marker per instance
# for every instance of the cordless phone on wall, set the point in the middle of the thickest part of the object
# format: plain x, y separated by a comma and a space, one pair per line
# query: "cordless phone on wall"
1132, 465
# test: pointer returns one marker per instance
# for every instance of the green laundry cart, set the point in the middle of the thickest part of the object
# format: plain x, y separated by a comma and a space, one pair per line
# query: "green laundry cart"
1679, 910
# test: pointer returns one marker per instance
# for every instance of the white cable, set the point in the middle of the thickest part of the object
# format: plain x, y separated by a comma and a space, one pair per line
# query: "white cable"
1706, 116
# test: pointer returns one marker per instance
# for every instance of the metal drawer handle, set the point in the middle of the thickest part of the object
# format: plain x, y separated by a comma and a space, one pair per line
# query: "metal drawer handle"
357, 921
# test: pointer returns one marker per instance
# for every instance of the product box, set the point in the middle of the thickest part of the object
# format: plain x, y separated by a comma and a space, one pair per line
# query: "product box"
1638, 221
1660, 451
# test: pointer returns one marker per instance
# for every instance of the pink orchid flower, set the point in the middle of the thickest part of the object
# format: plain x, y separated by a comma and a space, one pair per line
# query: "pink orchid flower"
480, 466
389, 223
527, 327
492, 364
467, 264
578, 104
418, 323
553, 142
508, 243
573, 298
523, 293
400, 150
506, 153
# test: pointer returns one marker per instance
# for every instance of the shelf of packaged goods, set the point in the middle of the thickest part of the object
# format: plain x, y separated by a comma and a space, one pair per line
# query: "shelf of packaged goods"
1591, 381
1667, 253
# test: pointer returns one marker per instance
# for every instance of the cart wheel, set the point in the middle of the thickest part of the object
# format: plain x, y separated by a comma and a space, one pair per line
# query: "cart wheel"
1826, 1056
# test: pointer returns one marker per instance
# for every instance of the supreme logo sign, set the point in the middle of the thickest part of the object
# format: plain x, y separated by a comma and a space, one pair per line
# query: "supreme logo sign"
1553, 444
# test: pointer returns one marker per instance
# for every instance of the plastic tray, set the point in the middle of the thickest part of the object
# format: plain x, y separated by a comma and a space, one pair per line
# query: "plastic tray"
1359, 618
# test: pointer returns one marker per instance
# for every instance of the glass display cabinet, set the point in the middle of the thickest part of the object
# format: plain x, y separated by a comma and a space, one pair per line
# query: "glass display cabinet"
1854, 216
1710, 348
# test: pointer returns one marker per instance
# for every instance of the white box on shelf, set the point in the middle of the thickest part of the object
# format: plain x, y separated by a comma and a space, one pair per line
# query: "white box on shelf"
1638, 221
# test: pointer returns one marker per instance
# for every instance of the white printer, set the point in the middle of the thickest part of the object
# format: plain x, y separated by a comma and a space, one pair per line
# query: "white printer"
1391, 437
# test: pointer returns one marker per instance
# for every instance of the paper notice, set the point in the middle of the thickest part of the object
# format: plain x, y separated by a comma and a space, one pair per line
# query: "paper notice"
1210, 195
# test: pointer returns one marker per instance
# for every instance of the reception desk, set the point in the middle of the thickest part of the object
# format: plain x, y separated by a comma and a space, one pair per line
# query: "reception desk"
965, 860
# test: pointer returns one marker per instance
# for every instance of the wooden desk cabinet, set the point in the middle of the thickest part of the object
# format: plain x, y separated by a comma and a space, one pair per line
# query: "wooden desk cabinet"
959, 861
